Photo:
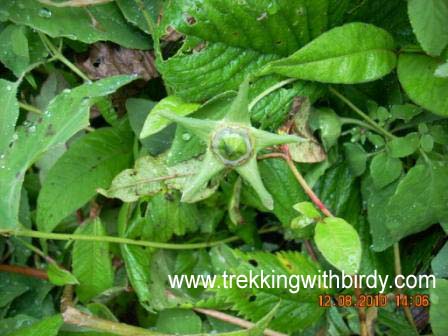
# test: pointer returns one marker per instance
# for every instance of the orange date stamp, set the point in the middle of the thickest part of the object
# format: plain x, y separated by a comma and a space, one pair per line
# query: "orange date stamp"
373, 300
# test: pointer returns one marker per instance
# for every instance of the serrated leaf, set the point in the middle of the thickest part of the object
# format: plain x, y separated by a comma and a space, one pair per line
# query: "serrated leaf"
438, 314
60, 276
9, 115
100, 23
428, 19
138, 264
353, 53
178, 321
402, 147
385, 169
339, 243
155, 123
88, 164
416, 75
91, 263
254, 303
48, 327
66, 114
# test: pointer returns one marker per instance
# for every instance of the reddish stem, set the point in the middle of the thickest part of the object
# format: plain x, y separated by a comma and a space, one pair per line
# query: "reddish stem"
27, 271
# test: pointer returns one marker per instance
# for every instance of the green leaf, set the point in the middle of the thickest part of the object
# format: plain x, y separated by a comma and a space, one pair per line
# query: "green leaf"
438, 314
428, 19
88, 164
329, 124
439, 265
385, 169
60, 276
228, 41
66, 114
178, 321
155, 122
405, 146
138, 264
255, 303
9, 115
167, 216
339, 243
99, 23
307, 209
416, 75
442, 71
418, 201
134, 14
353, 53
356, 158
9, 290
48, 327
91, 263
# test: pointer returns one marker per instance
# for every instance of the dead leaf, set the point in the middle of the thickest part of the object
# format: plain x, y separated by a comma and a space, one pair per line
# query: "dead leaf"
308, 151
107, 60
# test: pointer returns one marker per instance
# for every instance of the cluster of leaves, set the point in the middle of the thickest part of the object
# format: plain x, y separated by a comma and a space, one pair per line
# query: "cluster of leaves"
364, 84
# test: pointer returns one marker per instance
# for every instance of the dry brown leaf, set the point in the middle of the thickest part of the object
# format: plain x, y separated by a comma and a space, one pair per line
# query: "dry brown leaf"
107, 60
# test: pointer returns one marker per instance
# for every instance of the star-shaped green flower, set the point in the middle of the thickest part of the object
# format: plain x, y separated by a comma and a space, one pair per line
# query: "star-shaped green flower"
232, 143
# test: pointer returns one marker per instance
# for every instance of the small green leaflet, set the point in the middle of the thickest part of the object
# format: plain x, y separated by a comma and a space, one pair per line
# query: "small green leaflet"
89, 163
417, 76
91, 264
405, 146
9, 114
385, 169
66, 114
429, 22
100, 23
353, 53
438, 314
339, 243
356, 157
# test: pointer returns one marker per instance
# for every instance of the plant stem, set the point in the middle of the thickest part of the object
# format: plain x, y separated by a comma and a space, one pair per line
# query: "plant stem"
58, 54
398, 271
369, 120
37, 251
269, 90
27, 271
30, 108
358, 122
120, 240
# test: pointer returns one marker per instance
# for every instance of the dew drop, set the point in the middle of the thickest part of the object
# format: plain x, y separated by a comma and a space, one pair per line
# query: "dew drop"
45, 13
186, 136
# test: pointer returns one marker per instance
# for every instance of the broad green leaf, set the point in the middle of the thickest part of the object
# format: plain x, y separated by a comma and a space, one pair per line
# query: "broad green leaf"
227, 41
439, 264
254, 303
66, 114
60, 276
48, 327
91, 263
9, 114
356, 158
100, 23
416, 75
150, 175
10, 324
353, 53
178, 321
429, 22
167, 216
339, 243
418, 201
88, 164
10, 289
438, 314
328, 123
405, 146
385, 169
138, 264
155, 123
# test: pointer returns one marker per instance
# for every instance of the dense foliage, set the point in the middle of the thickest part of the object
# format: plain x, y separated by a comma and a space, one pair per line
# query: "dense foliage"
141, 139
